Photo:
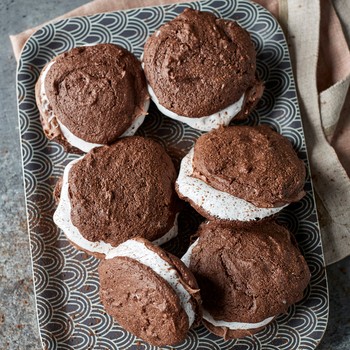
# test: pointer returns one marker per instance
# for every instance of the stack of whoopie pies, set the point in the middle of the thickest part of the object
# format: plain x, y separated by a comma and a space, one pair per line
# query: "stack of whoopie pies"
118, 202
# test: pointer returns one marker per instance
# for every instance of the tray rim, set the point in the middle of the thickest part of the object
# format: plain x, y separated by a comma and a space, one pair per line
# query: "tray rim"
260, 8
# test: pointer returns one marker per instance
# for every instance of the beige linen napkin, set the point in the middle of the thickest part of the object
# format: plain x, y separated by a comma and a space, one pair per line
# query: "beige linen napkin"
321, 61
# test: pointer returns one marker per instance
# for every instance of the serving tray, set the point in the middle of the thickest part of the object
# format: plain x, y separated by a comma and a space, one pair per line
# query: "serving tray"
70, 314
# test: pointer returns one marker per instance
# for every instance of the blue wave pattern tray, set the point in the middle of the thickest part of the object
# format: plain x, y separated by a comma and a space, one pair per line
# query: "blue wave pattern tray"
66, 281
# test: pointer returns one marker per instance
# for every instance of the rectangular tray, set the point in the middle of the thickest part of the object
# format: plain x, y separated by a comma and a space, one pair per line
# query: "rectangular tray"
66, 282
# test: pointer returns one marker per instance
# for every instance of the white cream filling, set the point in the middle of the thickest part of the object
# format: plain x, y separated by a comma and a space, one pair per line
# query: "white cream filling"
62, 218
88, 146
44, 100
235, 325
74, 140
206, 123
216, 203
186, 259
172, 233
139, 252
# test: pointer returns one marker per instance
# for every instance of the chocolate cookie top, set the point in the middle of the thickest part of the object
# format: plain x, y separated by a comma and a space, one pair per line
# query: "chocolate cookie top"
198, 64
122, 191
253, 163
142, 301
247, 274
96, 91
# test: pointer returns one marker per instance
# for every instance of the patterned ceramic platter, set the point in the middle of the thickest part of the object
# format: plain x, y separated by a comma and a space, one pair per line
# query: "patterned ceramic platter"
66, 282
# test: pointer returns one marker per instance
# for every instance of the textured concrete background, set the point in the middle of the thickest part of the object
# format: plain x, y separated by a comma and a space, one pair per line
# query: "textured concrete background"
18, 327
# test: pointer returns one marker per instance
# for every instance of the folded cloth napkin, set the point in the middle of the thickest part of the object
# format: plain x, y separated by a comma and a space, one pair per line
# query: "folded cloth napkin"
318, 32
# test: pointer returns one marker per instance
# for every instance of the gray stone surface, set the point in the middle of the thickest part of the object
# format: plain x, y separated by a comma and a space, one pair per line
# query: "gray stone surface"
18, 322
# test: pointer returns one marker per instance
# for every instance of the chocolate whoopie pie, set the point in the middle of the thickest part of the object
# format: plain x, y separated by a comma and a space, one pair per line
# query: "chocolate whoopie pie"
241, 173
247, 275
201, 70
149, 292
117, 192
92, 95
